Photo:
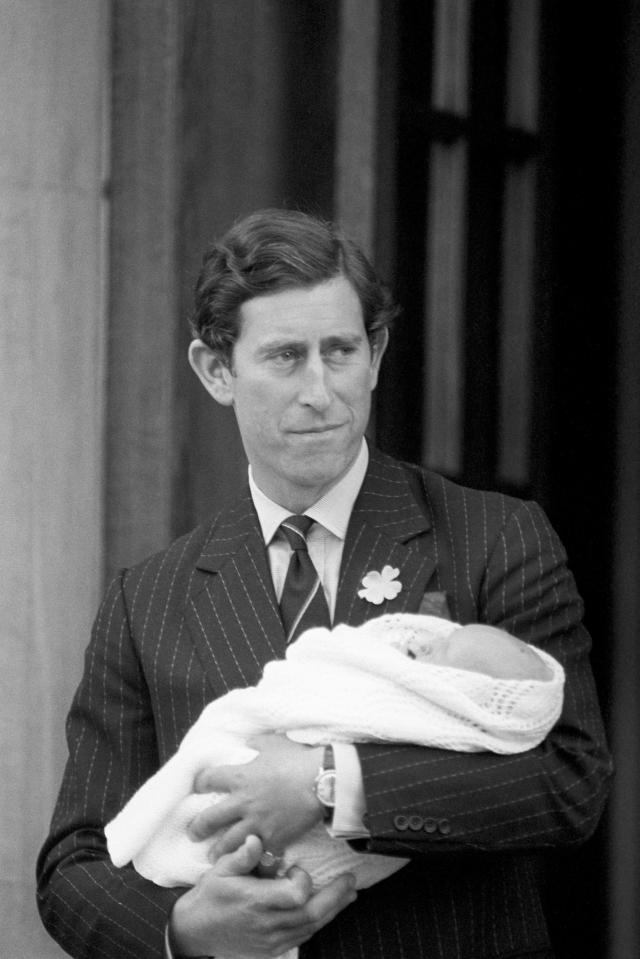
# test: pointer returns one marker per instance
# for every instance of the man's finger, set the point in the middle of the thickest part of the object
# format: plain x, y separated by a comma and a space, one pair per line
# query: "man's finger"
242, 861
229, 839
317, 909
287, 897
301, 885
215, 779
330, 900
219, 815
290, 893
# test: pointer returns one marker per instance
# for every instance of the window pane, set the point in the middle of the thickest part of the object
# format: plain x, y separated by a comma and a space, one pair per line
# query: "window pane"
522, 64
444, 307
516, 325
451, 56
356, 122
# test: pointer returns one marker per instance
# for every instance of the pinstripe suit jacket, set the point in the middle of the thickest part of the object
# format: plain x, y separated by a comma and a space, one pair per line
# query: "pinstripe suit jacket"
201, 618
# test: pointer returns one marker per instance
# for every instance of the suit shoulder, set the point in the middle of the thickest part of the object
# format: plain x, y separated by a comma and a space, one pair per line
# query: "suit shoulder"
172, 563
442, 490
443, 498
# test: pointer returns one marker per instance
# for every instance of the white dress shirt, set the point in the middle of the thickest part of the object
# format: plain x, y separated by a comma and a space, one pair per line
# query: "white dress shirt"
325, 541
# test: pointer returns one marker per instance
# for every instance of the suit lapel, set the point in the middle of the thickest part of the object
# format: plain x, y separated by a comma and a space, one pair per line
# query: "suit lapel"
388, 527
232, 611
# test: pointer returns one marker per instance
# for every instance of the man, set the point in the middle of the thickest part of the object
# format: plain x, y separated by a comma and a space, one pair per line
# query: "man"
290, 329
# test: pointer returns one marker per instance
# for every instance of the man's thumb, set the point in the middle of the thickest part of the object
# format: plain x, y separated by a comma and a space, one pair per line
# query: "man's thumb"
242, 860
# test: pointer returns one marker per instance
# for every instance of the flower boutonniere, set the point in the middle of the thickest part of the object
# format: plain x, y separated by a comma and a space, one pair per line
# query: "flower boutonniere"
380, 586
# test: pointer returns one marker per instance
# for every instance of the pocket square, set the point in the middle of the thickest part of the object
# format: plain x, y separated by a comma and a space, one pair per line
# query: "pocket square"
435, 603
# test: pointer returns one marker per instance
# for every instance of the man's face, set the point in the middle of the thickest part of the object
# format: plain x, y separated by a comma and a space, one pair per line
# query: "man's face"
301, 381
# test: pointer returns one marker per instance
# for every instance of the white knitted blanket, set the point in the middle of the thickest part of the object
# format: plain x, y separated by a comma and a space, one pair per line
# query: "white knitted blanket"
349, 684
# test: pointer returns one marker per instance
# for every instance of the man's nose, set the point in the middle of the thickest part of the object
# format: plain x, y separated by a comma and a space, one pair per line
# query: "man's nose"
315, 390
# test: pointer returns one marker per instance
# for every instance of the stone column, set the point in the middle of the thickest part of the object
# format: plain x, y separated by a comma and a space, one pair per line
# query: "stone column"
54, 80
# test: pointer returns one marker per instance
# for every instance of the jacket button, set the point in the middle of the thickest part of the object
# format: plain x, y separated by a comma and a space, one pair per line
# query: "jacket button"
430, 825
416, 823
444, 827
401, 822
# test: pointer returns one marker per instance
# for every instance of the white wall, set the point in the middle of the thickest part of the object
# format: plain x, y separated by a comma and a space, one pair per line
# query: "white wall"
54, 88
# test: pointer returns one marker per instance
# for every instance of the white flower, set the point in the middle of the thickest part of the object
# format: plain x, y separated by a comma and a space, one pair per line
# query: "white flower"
380, 586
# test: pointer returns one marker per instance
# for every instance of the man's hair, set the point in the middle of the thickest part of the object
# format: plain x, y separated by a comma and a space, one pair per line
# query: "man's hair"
274, 250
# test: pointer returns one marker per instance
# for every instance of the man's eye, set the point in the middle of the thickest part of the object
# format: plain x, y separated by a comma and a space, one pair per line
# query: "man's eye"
284, 357
342, 352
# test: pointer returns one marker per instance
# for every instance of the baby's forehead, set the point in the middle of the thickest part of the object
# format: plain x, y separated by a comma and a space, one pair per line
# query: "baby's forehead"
420, 627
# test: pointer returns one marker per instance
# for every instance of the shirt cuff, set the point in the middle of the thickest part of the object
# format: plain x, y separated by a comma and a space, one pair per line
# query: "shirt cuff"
168, 951
350, 804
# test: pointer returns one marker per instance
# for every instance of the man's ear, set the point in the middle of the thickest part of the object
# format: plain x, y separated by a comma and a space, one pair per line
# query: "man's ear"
378, 346
212, 371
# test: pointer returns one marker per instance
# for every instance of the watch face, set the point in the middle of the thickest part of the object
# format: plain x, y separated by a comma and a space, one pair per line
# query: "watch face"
326, 787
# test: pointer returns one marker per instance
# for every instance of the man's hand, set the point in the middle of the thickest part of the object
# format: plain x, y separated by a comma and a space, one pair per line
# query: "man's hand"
271, 797
232, 913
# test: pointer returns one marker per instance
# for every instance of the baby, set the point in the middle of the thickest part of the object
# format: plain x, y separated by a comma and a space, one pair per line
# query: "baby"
480, 648
398, 678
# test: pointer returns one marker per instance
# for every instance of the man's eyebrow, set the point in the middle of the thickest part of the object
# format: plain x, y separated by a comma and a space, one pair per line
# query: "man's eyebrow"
284, 343
353, 339
291, 343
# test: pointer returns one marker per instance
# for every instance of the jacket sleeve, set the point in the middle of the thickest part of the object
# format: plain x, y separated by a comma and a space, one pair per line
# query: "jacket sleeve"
420, 801
91, 908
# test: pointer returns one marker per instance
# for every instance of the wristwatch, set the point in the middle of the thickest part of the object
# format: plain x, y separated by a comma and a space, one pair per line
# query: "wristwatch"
324, 785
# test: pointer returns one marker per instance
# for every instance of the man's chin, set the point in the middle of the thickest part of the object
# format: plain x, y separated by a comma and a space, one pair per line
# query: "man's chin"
318, 471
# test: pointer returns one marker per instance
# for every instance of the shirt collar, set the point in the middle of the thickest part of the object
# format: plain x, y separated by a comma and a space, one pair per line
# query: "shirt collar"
333, 510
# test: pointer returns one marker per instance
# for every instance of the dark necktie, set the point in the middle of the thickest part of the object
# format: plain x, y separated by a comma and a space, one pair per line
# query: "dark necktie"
303, 602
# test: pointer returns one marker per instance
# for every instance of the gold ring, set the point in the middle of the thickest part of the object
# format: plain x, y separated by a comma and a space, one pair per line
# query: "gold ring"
269, 859
268, 865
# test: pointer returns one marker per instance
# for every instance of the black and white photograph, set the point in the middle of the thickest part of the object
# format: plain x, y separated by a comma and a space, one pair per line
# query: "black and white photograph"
319, 479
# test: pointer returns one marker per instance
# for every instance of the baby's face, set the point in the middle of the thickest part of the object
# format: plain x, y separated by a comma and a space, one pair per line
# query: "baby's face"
484, 649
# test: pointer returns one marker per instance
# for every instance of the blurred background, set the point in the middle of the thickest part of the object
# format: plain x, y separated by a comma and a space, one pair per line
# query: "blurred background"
486, 154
